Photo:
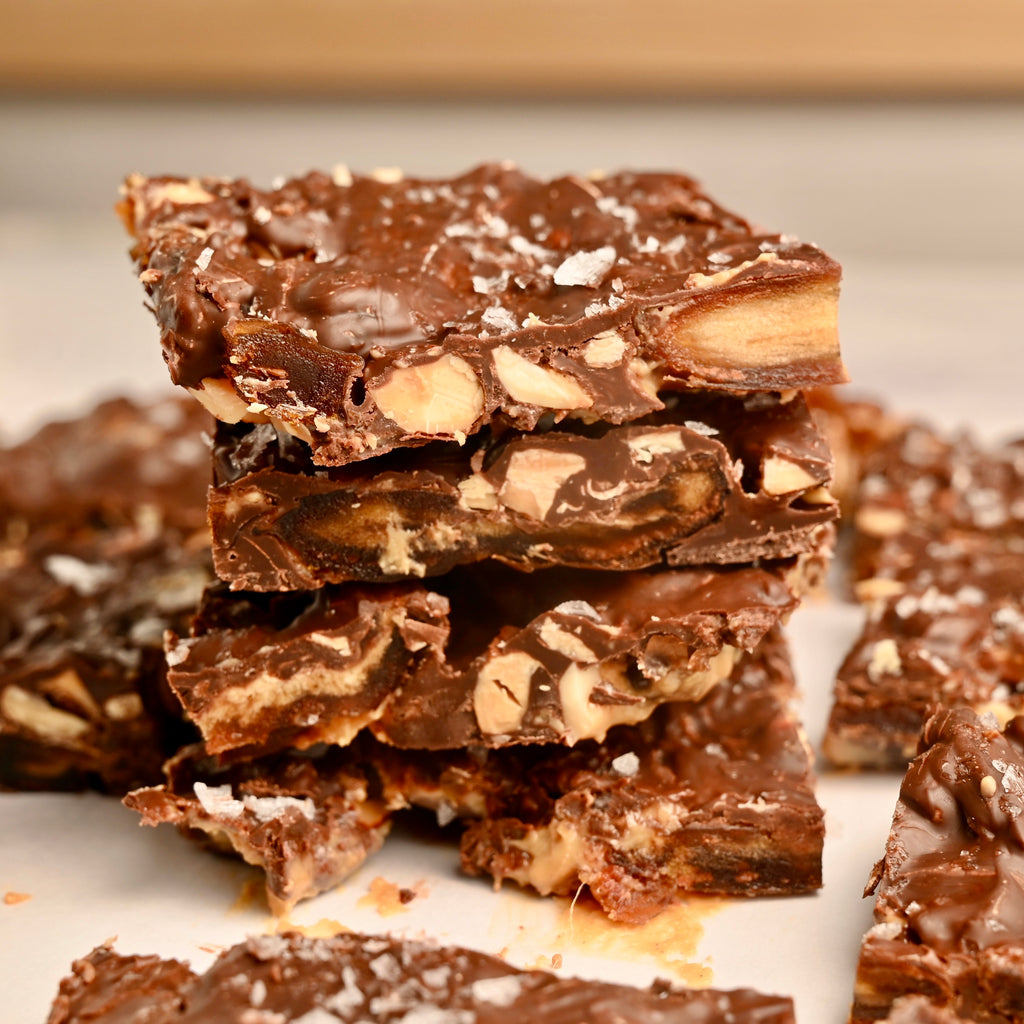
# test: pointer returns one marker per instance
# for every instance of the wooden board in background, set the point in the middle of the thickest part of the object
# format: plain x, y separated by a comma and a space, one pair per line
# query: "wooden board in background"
516, 47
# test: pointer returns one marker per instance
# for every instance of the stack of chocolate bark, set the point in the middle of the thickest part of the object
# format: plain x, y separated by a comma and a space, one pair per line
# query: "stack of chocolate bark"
514, 485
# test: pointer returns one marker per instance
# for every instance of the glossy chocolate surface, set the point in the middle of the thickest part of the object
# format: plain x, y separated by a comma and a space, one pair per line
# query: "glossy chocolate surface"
950, 902
712, 479
288, 979
365, 313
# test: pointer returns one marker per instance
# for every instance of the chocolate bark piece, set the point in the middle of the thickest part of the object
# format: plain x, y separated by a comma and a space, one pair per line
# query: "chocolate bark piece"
102, 548
142, 464
713, 478
104, 986
367, 313
939, 553
928, 501
924, 648
348, 978
83, 696
949, 903
261, 672
715, 796
307, 822
486, 655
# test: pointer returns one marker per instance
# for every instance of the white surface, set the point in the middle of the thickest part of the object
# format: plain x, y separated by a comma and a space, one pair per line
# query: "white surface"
93, 873
922, 206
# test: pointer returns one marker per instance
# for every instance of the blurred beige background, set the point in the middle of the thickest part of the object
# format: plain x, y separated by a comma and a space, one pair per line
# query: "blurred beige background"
892, 134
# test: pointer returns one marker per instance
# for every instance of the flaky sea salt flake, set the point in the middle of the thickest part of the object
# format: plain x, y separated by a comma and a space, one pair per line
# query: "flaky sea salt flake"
586, 268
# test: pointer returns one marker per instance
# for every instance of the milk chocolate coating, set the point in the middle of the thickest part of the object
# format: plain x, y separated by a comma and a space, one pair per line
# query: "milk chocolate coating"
364, 314
141, 463
715, 796
691, 485
927, 500
354, 978
308, 822
920, 649
102, 548
950, 904
486, 655
939, 554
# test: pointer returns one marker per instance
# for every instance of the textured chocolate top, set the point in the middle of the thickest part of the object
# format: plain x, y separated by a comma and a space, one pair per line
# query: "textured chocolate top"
367, 312
708, 797
923, 648
102, 547
288, 979
486, 655
711, 479
124, 463
930, 508
939, 553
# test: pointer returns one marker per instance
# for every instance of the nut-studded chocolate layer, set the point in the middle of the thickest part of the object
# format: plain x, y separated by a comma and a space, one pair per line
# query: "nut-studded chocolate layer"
308, 822
292, 979
709, 797
939, 554
920, 1010
921, 649
485, 656
366, 313
949, 911
102, 547
711, 479
929, 506
716, 797
137, 463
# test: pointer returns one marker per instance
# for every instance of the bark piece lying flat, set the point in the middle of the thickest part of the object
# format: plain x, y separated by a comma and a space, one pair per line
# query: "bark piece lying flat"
308, 822
929, 505
715, 796
939, 557
949, 909
291, 979
366, 313
486, 655
127, 462
918, 650
713, 479
102, 548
